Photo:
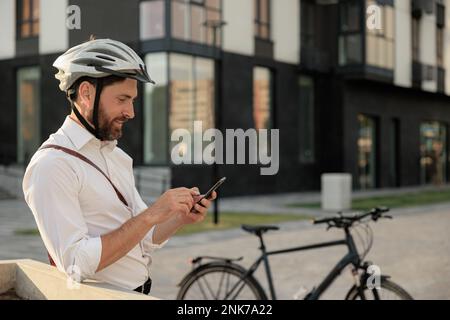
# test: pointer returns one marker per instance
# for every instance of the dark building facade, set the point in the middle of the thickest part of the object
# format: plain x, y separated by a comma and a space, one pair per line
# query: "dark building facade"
353, 86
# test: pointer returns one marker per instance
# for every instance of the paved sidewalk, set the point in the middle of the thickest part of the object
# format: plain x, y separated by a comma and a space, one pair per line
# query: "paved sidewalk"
414, 248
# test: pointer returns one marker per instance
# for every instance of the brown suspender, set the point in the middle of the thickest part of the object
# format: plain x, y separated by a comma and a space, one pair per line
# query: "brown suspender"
80, 156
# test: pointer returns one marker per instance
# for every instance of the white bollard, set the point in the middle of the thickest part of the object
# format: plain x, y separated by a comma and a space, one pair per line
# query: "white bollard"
336, 191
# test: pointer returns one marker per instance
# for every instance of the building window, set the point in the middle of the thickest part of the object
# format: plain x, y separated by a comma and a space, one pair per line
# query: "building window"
189, 18
440, 47
380, 42
394, 153
152, 19
306, 100
28, 107
367, 152
184, 93
262, 98
433, 152
415, 24
27, 18
440, 27
156, 110
307, 21
350, 37
262, 19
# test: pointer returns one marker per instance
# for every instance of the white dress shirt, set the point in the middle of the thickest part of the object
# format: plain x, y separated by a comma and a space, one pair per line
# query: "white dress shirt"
74, 205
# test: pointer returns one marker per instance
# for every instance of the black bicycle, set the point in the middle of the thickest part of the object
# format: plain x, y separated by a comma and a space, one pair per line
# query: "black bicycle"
223, 279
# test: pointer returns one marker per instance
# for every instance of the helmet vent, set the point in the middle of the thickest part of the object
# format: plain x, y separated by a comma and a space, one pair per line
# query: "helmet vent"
105, 58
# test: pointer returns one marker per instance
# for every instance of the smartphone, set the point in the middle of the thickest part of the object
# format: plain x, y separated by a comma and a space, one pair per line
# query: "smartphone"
212, 189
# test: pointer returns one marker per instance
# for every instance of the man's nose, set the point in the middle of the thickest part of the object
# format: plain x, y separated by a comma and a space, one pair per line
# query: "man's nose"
129, 112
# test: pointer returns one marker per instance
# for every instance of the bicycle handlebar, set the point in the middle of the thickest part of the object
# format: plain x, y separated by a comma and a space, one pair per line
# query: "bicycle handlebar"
346, 221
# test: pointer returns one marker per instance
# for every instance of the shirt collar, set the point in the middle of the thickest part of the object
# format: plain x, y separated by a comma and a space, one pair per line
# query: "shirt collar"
80, 136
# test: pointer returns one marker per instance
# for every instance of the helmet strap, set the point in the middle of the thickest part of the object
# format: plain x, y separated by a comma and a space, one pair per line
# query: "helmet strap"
94, 130
98, 90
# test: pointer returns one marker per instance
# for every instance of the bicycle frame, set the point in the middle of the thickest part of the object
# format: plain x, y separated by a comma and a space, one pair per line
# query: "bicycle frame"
352, 257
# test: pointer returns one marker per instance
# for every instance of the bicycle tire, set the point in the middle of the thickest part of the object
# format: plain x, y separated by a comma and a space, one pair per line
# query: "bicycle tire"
255, 291
386, 285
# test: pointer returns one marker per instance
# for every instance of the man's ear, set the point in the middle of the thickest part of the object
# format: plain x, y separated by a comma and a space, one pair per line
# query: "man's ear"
86, 94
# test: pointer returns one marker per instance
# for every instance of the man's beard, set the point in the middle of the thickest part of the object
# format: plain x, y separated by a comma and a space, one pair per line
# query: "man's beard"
108, 130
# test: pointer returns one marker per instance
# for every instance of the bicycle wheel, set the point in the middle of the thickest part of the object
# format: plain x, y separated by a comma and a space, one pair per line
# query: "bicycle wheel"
220, 281
388, 291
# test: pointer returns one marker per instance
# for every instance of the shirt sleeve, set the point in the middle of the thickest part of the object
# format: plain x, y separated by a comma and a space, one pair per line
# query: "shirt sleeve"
147, 242
51, 188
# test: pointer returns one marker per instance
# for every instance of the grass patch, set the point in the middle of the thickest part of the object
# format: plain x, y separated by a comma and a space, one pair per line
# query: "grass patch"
26, 232
412, 199
229, 220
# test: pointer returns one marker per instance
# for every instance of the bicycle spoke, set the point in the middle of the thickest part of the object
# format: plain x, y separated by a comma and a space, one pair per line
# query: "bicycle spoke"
235, 286
208, 286
239, 291
201, 288
375, 294
220, 286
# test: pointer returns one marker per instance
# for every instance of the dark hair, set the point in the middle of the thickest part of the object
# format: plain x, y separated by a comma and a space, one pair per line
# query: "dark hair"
107, 81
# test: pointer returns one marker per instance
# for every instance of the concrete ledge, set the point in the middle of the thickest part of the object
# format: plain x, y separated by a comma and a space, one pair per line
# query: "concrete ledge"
33, 280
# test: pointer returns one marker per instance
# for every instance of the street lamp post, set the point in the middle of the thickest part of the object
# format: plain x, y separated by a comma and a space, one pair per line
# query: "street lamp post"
216, 25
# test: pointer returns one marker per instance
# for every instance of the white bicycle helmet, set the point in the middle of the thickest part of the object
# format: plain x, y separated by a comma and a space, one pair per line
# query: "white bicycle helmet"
98, 59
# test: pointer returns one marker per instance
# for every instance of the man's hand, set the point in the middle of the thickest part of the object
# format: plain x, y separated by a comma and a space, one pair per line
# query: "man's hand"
199, 211
174, 202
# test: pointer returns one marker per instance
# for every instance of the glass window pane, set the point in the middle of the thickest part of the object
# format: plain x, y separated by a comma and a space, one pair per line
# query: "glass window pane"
264, 11
197, 27
213, 4
415, 39
192, 97
366, 152
26, 10
350, 49
394, 152
389, 22
264, 32
440, 46
204, 97
372, 49
36, 8
28, 106
350, 14
390, 54
156, 110
180, 24
25, 30
35, 31
182, 111
261, 97
433, 149
306, 121
204, 92
152, 19
212, 15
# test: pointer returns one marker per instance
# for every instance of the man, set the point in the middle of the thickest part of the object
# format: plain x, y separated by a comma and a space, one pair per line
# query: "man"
80, 185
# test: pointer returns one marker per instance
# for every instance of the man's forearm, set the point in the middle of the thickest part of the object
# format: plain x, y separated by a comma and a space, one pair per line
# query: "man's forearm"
165, 230
119, 242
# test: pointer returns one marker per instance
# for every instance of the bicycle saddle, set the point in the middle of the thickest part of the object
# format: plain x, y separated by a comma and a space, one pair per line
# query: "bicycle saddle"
258, 229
